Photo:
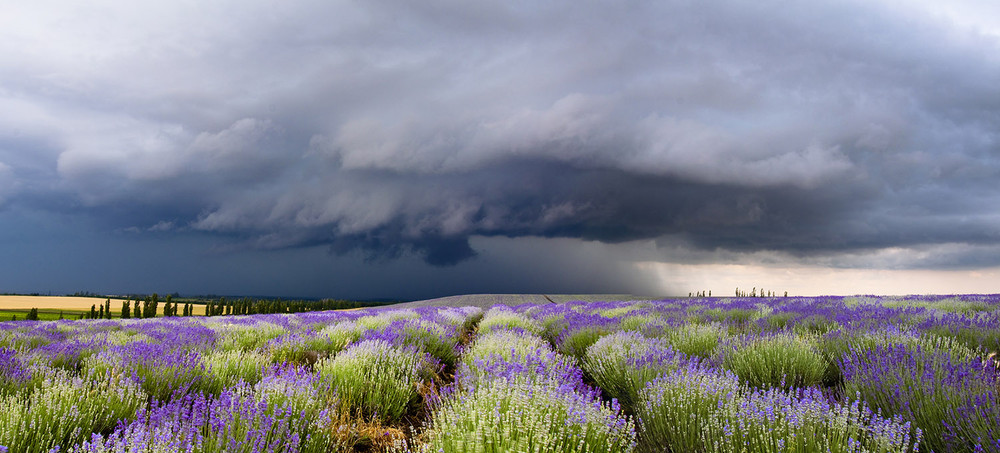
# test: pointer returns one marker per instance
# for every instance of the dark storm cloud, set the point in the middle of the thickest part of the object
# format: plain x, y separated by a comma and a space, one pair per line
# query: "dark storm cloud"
400, 127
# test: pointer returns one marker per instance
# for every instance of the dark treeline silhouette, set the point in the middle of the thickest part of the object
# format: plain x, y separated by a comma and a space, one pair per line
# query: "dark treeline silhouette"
151, 306
755, 293
248, 306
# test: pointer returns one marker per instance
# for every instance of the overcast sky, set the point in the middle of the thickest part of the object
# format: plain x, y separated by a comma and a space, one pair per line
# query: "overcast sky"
401, 149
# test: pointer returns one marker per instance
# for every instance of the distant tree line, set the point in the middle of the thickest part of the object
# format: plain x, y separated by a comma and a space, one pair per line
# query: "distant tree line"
150, 307
248, 306
754, 293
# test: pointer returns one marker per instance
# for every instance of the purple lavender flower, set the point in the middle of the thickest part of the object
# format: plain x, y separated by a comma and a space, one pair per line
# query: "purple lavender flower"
13, 374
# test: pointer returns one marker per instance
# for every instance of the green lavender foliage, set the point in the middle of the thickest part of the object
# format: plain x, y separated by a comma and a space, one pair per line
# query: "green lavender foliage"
66, 410
335, 337
784, 361
575, 342
505, 344
245, 336
384, 318
376, 379
930, 386
698, 409
503, 318
675, 409
500, 417
433, 338
623, 363
227, 368
696, 340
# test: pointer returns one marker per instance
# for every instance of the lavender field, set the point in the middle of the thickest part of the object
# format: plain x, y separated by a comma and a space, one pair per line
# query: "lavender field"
829, 374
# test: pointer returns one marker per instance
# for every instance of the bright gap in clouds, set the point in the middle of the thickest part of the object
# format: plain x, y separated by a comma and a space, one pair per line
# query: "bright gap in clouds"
723, 279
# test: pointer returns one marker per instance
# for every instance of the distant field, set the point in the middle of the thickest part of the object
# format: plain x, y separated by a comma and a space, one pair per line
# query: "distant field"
488, 300
49, 307
53, 302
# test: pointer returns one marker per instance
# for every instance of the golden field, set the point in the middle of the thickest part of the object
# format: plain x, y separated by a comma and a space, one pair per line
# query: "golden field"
70, 303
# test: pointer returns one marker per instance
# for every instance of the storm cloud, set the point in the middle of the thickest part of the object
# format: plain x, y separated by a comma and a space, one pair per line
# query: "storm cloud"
822, 131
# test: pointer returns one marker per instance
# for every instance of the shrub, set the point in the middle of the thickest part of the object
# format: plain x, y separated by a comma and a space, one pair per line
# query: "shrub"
162, 371
776, 421
623, 363
226, 368
288, 348
942, 394
65, 410
246, 336
500, 417
502, 318
696, 409
675, 409
13, 374
426, 336
376, 379
384, 318
335, 337
239, 420
504, 343
576, 341
537, 366
778, 361
696, 340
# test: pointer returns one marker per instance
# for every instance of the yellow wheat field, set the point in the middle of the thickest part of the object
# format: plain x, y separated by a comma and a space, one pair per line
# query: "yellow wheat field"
49, 303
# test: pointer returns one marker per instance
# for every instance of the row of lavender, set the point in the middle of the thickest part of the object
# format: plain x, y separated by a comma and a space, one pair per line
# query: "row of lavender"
312, 382
817, 374
827, 374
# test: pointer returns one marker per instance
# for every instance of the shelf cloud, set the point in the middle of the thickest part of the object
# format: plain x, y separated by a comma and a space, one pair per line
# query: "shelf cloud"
824, 132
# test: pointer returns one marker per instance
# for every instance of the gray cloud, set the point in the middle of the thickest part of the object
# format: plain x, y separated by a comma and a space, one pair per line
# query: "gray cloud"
395, 127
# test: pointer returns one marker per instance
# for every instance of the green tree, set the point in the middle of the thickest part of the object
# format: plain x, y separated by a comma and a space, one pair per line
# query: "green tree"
168, 306
136, 310
126, 309
93, 312
107, 309
32, 315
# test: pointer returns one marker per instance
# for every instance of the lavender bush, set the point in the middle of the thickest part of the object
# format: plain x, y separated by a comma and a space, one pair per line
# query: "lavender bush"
375, 379
501, 416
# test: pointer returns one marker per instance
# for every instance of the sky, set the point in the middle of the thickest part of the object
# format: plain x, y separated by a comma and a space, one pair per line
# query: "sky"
407, 150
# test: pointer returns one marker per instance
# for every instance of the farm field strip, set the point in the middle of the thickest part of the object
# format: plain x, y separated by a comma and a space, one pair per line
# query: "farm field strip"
50, 303
861, 374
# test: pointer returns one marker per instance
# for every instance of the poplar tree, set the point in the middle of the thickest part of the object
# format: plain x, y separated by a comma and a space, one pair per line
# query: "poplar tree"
126, 309
93, 311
